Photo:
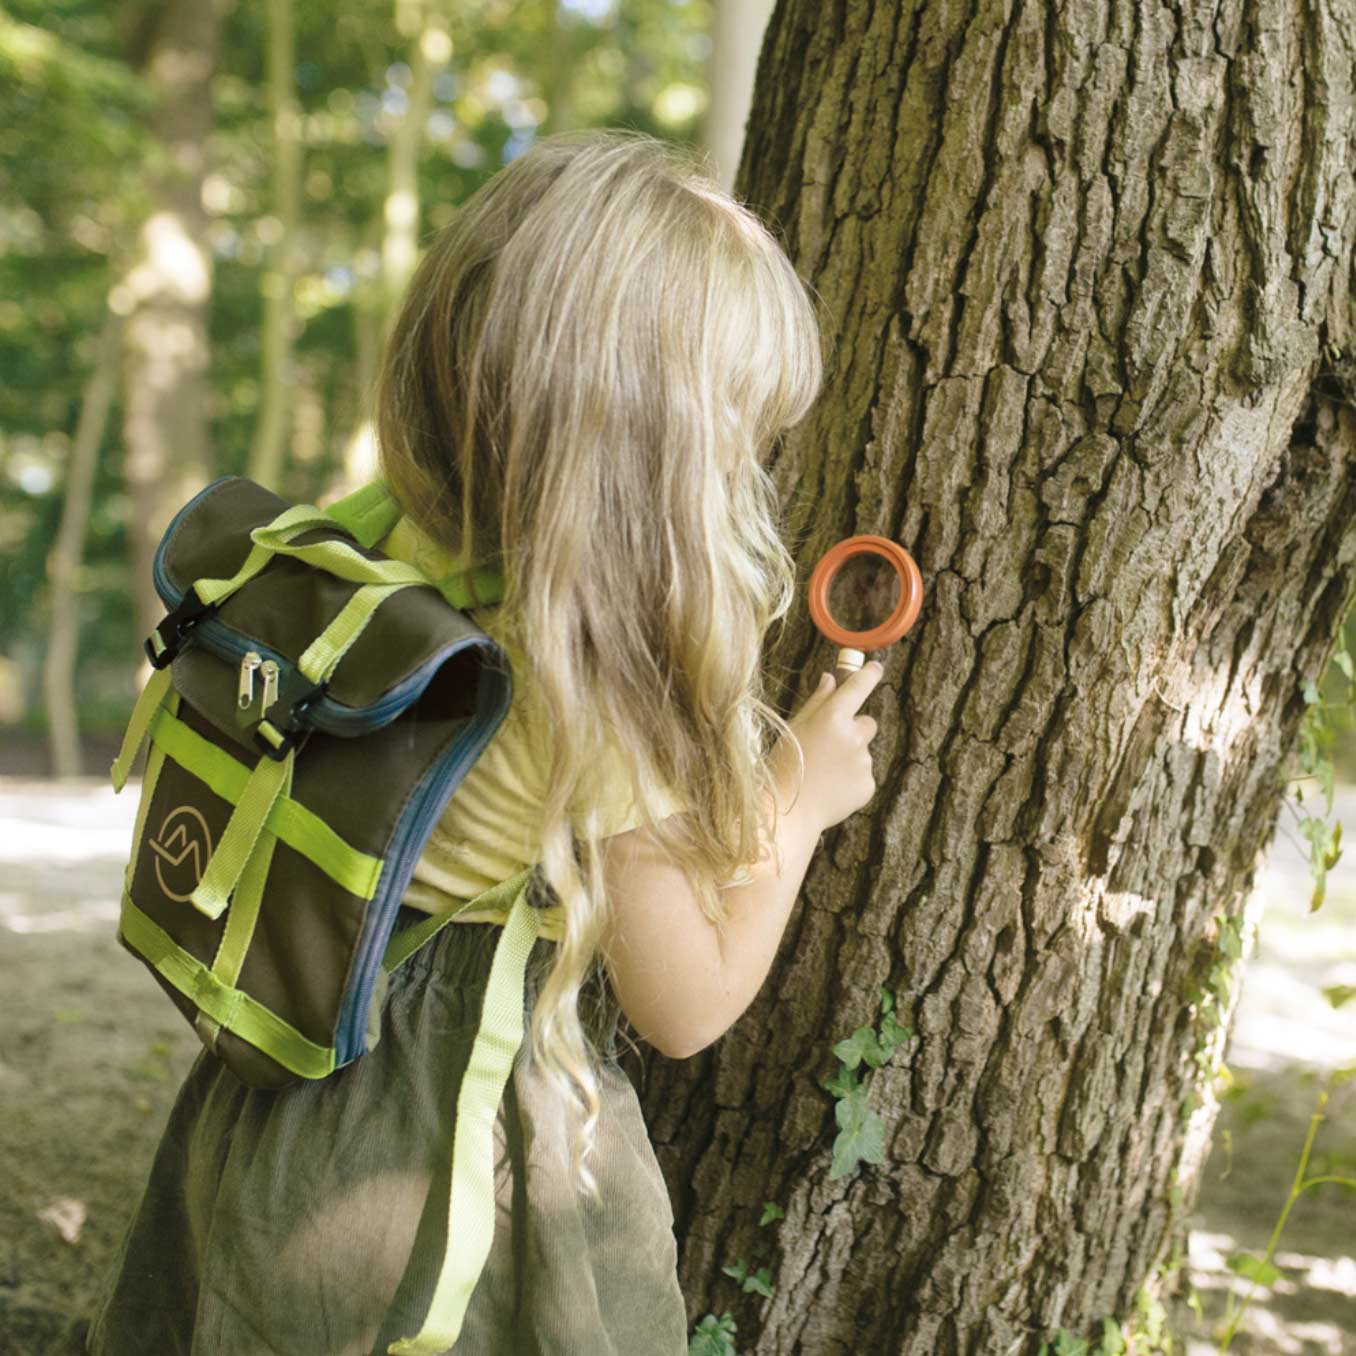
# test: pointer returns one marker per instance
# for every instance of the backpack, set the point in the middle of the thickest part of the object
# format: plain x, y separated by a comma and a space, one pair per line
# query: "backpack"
296, 664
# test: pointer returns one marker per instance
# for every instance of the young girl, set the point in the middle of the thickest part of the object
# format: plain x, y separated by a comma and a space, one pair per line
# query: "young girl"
592, 361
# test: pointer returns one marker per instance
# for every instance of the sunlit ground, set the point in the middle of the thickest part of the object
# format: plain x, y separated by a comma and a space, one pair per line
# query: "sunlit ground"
91, 1054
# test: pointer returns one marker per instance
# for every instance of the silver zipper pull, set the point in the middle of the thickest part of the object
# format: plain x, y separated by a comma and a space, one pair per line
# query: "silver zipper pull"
269, 670
245, 692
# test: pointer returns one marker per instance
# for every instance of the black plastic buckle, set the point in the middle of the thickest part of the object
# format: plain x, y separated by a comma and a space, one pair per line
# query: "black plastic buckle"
176, 625
286, 732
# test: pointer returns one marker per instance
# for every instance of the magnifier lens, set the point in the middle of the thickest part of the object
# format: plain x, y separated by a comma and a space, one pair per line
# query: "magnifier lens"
864, 592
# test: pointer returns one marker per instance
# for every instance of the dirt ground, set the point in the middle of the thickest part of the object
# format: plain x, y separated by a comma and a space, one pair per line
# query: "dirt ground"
91, 1055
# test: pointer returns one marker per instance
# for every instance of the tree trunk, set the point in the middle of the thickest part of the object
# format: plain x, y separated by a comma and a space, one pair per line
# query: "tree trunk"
425, 27
166, 293
275, 412
737, 28
1082, 270
63, 564
562, 46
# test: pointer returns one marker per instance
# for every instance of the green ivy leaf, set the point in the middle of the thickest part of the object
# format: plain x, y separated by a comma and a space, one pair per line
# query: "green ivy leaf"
861, 1136
861, 1045
713, 1336
736, 1270
842, 1084
761, 1281
1231, 937
1066, 1344
1337, 994
1220, 984
892, 1034
771, 1211
1252, 1268
1113, 1339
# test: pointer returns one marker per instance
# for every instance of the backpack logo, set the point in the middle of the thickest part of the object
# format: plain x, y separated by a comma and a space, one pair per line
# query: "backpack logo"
182, 850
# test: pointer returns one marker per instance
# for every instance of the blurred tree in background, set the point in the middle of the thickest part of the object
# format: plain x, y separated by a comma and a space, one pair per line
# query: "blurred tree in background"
311, 149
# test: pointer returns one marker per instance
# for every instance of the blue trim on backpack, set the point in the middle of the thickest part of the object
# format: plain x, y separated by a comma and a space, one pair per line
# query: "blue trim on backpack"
421, 813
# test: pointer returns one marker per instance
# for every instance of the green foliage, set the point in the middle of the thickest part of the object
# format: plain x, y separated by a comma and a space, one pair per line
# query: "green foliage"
1318, 730
861, 1133
861, 1138
1252, 1268
713, 1336
1144, 1333
74, 76
760, 1280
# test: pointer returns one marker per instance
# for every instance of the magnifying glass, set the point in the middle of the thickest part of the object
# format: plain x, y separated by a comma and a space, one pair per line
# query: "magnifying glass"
857, 581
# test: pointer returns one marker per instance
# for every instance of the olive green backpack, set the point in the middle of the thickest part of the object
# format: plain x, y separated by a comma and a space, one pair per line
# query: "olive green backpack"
313, 706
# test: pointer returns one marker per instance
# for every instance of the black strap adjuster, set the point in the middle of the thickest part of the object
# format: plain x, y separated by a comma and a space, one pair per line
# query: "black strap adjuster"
281, 730
165, 642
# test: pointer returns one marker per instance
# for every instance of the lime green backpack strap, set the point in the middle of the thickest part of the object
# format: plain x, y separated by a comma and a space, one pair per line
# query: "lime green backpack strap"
369, 512
471, 1200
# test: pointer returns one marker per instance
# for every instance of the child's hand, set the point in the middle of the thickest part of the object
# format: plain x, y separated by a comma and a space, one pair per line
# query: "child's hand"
836, 741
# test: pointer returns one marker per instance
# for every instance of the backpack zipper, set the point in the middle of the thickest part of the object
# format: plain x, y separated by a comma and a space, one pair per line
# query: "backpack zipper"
245, 689
269, 671
327, 714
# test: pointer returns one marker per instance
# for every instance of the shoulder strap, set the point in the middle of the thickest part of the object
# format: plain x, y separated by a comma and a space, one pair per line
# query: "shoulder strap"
369, 512
471, 1197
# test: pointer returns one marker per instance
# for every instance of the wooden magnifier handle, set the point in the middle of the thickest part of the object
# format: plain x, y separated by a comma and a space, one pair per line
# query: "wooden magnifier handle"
848, 662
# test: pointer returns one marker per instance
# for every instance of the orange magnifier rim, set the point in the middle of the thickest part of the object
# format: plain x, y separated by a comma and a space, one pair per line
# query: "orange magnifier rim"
896, 625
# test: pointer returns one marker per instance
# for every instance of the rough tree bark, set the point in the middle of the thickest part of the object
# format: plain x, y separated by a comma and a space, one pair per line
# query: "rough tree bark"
1087, 272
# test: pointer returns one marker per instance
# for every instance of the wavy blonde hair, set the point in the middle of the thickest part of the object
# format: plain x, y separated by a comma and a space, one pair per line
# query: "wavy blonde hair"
592, 362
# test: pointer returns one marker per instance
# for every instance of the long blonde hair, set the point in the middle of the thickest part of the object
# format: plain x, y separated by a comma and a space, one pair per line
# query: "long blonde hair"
592, 362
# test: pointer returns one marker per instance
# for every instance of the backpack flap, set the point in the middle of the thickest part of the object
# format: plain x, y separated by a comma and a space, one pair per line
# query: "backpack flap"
276, 616
315, 706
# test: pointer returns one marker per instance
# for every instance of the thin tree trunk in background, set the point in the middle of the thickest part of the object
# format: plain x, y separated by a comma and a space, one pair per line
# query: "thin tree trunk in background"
63, 565
367, 322
1079, 269
430, 49
358, 455
374, 305
166, 292
737, 28
266, 454
556, 72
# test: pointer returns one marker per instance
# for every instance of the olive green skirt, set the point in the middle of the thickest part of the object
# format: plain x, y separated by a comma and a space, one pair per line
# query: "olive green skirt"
312, 1220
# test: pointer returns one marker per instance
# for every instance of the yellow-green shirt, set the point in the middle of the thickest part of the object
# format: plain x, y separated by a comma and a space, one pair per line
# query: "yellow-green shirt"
491, 828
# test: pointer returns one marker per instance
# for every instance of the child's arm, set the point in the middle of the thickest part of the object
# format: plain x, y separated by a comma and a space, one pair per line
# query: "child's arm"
681, 984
